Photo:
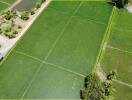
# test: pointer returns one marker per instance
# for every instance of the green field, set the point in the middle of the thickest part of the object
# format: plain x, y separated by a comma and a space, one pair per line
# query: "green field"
57, 52
118, 54
2, 6
119, 48
123, 92
9, 1
63, 46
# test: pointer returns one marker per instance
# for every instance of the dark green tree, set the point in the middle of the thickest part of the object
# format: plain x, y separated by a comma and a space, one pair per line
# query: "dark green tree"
96, 89
119, 3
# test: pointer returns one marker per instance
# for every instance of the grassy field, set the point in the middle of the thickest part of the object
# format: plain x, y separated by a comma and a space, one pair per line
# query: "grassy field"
57, 52
8, 1
3, 6
123, 92
119, 48
118, 54
5, 3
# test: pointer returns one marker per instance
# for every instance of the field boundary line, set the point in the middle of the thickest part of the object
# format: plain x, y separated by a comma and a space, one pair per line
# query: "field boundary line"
105, 39
123, 83
48, 63
50, 51
6, 3
125, 51
64, 69
24, 54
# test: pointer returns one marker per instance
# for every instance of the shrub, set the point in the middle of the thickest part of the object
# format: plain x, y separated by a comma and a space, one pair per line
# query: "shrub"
5, 28
25, 15
9, 14
0, 31
19, 26
32, 11
38, 5
96, 89
42, 1
10, 34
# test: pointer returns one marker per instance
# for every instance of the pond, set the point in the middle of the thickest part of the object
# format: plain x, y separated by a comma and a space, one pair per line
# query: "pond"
25, 5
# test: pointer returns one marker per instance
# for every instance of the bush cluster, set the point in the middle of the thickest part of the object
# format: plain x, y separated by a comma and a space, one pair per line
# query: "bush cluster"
8, 28
7, 24
95, 89
26, 14
9, 14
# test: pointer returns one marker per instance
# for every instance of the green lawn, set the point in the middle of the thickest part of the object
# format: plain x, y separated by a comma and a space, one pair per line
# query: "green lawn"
114, 59
9, 1
121, 33
15, 74
123, 92
2, 6
55, 54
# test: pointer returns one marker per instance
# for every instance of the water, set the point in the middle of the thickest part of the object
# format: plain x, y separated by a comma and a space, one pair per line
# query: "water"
25, 5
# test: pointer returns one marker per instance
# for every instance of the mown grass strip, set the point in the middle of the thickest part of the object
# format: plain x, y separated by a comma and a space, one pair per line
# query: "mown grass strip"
24, 54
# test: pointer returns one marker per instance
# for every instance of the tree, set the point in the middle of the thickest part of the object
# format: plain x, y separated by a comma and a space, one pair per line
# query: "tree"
119, 3
111, 75
96, 89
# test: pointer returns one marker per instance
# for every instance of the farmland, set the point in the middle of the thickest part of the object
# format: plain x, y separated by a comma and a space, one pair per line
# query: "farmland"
118, 52
64, 45
5, 3
2, 6
9, 1
54, 51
